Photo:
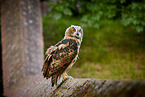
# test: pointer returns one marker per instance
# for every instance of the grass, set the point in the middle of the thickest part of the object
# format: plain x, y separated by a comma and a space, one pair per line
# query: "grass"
110, 52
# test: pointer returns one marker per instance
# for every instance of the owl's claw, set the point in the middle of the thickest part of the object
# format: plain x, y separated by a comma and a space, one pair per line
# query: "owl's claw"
65, 76
68, 77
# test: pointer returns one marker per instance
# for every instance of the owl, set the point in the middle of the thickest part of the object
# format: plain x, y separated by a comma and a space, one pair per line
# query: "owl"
61, 57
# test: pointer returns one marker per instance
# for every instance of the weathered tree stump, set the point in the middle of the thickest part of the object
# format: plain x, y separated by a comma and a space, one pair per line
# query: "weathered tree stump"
22, 42
22, 59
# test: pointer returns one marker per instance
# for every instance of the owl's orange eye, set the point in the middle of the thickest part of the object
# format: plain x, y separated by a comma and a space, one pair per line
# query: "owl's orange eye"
80, 30
73, 29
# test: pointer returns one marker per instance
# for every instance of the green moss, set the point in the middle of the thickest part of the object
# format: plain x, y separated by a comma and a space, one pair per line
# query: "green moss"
110, 52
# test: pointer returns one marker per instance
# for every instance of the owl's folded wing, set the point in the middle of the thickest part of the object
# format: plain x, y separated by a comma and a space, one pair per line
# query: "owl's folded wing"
50, 50
58, 60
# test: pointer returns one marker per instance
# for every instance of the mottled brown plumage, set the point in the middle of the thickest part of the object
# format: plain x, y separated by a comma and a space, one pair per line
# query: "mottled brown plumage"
63, 55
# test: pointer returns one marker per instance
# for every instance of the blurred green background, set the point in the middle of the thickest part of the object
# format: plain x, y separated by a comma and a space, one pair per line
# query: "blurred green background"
113, 45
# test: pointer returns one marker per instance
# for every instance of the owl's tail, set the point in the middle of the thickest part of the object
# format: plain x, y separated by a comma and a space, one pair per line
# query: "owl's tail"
54, 80
46, 65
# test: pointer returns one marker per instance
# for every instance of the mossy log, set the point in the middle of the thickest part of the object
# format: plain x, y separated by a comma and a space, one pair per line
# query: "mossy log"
22, 59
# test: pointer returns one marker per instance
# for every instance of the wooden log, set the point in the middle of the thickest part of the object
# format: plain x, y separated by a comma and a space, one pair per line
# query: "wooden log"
40, 87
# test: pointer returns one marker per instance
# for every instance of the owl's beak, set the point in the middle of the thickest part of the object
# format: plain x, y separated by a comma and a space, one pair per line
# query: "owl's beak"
78, 33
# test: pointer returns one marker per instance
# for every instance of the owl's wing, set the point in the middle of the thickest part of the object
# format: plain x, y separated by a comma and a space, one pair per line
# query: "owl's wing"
57, 62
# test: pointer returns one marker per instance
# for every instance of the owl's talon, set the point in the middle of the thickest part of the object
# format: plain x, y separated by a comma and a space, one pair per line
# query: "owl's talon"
67, 77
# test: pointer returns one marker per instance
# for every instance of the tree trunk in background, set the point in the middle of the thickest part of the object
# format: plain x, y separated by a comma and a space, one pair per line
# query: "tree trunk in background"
22, 42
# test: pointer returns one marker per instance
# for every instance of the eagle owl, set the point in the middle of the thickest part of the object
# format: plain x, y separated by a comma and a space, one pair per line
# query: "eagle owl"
63, 55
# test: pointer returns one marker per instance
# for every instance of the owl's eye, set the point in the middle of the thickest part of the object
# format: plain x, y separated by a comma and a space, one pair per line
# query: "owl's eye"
73, 29
80, 30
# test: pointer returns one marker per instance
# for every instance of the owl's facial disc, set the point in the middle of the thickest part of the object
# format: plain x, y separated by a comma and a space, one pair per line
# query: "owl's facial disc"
77, 32
74, 31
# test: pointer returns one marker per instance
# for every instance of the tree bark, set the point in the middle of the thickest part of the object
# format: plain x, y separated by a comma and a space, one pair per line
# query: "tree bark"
22, 41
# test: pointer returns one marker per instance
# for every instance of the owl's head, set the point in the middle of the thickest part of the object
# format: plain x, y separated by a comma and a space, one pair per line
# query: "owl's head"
74, 31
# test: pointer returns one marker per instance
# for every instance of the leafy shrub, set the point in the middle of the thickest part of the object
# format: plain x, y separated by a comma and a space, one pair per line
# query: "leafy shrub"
91, 12
134, 14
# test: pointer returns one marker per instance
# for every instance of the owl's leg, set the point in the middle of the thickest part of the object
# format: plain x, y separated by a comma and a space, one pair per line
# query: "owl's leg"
65, 76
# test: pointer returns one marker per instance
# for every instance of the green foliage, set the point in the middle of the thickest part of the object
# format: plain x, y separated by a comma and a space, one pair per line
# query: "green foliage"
58, 9
91, 12
134, 14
